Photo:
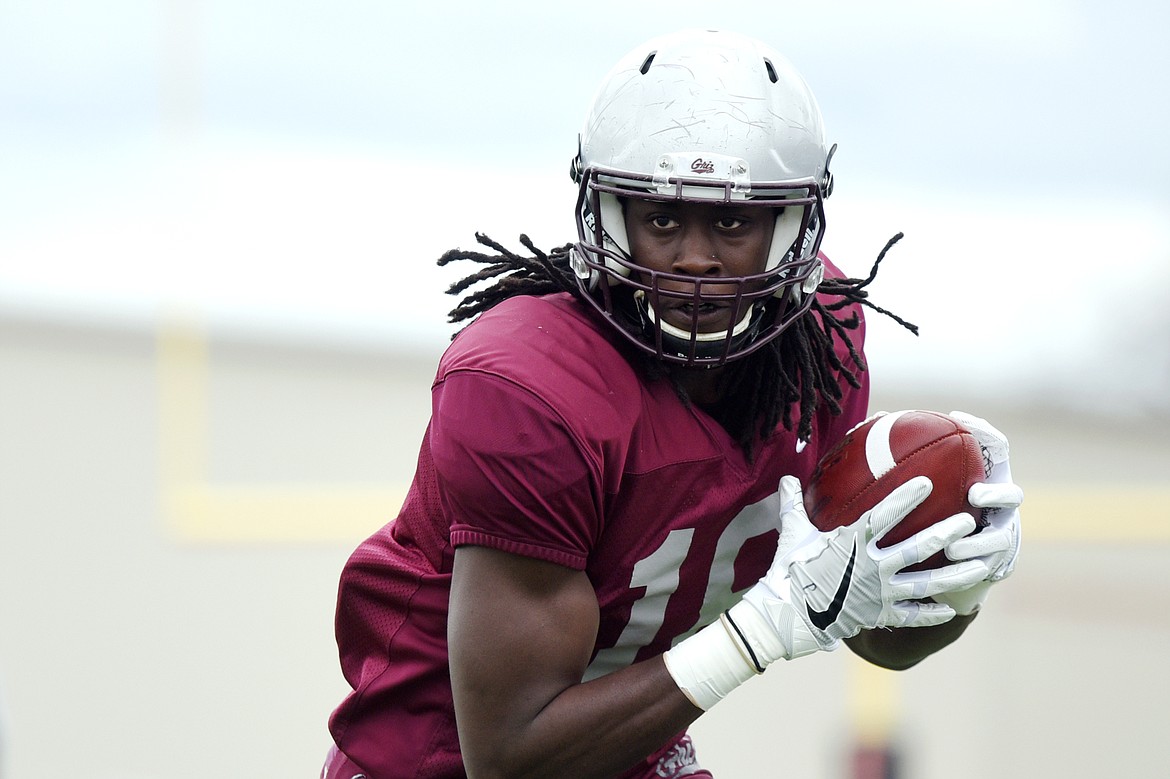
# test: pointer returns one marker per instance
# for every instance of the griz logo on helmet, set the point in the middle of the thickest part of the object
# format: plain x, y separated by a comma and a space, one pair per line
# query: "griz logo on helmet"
702, 166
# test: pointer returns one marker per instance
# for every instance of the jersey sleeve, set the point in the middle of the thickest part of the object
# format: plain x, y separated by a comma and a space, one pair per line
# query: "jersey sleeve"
511, 472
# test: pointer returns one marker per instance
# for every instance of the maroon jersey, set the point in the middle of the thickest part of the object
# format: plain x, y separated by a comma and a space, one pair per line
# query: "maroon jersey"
545, 441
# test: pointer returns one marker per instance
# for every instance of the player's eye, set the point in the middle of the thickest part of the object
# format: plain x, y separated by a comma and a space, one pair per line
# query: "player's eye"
663, 221
730, 223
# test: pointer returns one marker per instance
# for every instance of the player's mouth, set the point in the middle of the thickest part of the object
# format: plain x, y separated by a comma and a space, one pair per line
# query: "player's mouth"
703, 317
703, 307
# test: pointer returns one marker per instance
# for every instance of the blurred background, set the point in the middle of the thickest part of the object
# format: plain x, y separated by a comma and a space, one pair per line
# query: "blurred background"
219, 317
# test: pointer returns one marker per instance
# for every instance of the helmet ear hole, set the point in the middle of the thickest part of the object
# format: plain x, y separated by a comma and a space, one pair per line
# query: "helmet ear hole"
771, 70
827, 180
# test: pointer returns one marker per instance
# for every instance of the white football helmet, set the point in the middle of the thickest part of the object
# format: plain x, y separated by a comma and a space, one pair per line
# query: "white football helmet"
711, 117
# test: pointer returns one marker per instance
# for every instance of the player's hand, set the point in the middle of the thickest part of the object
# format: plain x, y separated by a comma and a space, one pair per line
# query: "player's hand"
998, 544
823, 587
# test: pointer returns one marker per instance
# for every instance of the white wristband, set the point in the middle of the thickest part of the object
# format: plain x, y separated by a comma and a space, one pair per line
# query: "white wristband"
708, 665
748, 637
770, 623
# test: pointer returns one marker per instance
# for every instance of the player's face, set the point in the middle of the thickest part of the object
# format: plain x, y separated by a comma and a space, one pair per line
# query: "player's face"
705, 241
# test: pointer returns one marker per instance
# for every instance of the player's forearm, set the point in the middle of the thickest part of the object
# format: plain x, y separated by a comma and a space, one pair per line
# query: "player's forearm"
906, 647
595, 729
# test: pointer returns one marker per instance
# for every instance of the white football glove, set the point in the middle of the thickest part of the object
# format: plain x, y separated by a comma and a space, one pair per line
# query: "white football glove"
998, 544
823, 587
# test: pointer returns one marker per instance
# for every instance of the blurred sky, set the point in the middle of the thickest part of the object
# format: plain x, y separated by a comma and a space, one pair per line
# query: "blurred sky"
293, 168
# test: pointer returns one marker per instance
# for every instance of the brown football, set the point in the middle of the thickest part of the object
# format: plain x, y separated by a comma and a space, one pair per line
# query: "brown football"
884, 452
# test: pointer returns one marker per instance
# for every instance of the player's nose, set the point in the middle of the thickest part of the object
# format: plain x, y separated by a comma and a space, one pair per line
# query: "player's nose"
697, 253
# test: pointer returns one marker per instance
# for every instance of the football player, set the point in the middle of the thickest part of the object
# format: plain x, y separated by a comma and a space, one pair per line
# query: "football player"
605, 533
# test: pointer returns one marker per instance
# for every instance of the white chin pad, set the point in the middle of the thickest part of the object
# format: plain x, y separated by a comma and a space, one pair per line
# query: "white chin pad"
685, 335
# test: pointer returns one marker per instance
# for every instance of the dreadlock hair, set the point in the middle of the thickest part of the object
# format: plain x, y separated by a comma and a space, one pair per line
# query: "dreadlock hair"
798, 368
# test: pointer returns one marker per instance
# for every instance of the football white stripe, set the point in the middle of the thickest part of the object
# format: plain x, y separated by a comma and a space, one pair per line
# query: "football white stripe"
878, 454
